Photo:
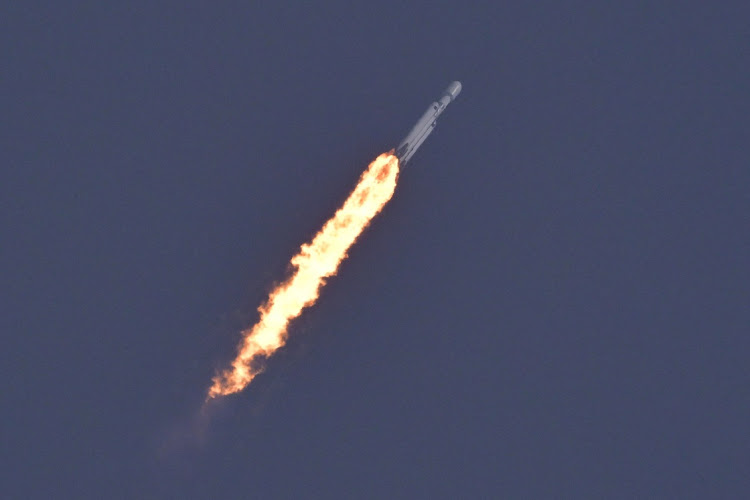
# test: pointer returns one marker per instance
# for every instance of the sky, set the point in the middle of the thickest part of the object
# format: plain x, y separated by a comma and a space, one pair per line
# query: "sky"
555, 303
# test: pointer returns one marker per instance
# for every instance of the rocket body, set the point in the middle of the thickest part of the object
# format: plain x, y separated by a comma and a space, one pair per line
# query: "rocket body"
425, 124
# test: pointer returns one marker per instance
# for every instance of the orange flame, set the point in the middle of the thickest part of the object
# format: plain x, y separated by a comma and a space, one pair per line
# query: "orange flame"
314, 263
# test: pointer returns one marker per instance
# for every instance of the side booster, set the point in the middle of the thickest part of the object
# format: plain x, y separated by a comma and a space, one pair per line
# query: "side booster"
424, 126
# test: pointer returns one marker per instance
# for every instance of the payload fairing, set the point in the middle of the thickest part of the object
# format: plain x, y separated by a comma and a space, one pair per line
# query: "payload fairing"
424, 126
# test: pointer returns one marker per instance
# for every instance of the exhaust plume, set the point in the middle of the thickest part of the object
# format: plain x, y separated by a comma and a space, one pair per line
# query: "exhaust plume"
315, 262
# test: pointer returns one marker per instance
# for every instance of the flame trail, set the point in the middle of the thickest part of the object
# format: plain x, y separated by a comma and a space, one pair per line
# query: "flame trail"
315, 261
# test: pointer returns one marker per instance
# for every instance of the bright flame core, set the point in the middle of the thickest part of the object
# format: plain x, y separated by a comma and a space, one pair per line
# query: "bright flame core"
315, 261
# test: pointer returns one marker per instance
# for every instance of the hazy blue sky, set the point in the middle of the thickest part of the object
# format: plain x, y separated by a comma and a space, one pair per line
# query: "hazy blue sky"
555, 304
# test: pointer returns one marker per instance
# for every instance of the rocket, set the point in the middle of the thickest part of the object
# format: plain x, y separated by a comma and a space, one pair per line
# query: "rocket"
424, 126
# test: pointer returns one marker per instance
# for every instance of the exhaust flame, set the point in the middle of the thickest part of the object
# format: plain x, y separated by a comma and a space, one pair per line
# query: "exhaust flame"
314, 263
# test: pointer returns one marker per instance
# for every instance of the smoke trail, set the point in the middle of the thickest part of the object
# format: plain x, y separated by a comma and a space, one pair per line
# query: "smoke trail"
315, 261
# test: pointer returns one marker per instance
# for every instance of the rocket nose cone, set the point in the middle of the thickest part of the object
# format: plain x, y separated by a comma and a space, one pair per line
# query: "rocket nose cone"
453, 90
